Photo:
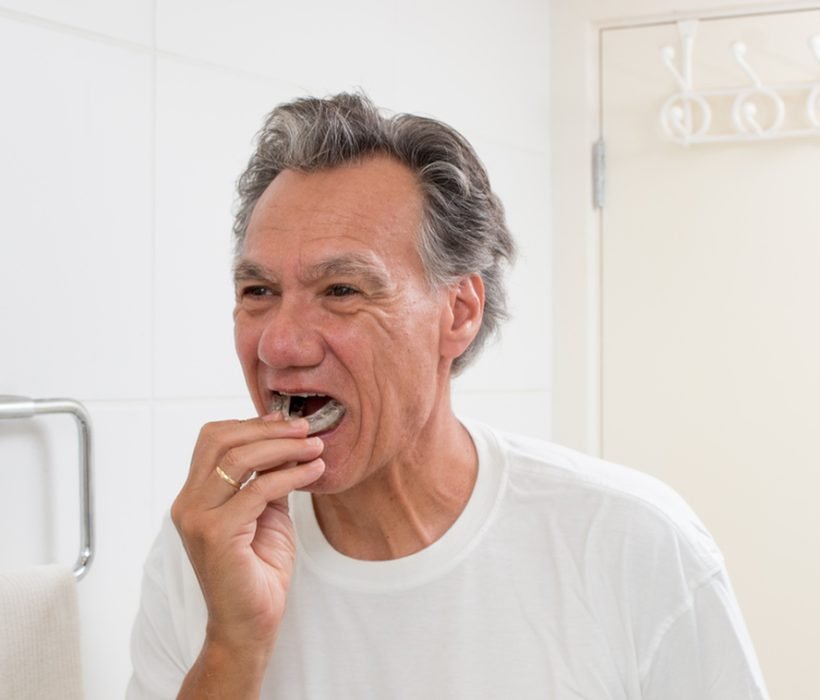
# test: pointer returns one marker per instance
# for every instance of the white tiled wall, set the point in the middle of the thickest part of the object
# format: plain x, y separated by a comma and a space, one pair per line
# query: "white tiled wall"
75, 178
123, 126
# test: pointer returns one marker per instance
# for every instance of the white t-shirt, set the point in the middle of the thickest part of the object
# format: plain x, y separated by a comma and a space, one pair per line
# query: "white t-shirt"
564, 577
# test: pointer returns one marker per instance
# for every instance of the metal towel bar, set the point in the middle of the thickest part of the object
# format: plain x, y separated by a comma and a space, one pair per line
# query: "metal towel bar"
22, 407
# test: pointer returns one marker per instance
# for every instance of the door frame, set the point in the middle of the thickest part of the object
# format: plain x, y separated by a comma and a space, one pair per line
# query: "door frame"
576, 225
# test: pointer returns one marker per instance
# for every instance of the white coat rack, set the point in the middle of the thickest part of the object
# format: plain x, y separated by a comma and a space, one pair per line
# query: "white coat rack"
758, 111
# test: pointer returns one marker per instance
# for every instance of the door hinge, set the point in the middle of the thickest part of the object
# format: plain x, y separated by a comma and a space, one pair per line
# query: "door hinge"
598, 173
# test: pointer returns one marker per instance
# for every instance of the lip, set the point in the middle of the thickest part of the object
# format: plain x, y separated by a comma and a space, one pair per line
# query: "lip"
298, 390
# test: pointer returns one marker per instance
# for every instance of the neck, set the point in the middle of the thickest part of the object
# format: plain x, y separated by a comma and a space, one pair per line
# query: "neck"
408, 504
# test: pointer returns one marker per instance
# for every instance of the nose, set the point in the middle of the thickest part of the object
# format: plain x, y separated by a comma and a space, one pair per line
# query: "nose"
291, 337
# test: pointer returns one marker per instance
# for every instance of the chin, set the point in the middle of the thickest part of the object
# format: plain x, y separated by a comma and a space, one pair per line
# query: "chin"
325, 485
337, 478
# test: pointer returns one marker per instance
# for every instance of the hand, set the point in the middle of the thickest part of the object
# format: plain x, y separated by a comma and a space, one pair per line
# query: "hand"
241, 542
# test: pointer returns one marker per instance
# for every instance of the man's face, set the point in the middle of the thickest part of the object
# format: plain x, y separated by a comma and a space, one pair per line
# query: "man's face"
332, 300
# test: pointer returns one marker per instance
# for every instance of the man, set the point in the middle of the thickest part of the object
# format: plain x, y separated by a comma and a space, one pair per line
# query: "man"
356, 540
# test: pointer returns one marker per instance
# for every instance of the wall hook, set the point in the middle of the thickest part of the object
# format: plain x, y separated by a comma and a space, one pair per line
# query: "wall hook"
758, 112
686, 29
739, 51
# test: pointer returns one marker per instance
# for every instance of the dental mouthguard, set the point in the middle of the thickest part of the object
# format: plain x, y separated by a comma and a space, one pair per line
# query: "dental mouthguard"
293, 406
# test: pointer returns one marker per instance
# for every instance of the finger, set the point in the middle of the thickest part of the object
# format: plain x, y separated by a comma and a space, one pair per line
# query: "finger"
269, 454
215, 439
240, 462
249, 503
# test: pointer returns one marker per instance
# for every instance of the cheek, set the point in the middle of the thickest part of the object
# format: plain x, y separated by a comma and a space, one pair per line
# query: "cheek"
246, 342
415, 345
406, 366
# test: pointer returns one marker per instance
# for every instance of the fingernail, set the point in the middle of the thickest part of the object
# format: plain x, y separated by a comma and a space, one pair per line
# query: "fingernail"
276, 415
318, 464
315, 441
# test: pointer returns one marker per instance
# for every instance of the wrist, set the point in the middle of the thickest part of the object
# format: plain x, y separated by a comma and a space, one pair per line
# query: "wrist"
247, 655
227, 671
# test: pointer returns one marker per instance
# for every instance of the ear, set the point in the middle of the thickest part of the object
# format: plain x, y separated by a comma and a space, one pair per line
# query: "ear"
462, 319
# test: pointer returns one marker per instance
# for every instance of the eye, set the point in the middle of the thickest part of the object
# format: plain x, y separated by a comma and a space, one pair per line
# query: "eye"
341, 290
255, 291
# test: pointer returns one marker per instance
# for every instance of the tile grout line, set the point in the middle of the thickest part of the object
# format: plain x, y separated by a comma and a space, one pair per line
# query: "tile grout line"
153, 402
71, 29
150, 49
152, 293
158, 400
529, 390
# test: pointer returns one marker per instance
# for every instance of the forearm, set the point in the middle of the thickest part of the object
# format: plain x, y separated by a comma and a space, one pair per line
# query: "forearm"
219, 672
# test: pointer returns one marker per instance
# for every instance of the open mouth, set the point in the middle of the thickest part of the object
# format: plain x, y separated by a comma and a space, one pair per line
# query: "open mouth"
321, 412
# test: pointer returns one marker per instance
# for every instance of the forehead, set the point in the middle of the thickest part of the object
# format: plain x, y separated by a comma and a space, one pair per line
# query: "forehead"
373, 206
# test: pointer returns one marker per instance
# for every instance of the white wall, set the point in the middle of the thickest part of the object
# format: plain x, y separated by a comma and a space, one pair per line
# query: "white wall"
123, 126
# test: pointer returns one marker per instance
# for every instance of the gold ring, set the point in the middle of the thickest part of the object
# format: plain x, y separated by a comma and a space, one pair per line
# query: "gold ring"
227, 478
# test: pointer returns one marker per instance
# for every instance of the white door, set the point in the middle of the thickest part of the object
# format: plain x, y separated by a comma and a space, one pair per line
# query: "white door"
710, 302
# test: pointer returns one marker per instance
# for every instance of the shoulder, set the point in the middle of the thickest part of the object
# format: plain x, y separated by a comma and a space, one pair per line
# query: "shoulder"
609, 503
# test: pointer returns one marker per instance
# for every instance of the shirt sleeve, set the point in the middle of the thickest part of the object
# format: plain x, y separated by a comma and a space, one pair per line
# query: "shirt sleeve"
704, 651
158, 668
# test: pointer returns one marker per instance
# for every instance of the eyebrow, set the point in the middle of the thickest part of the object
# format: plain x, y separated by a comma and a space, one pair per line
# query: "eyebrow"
246, 270
348, 265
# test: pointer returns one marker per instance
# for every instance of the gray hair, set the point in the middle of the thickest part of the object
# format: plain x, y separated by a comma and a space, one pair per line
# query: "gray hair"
463, 228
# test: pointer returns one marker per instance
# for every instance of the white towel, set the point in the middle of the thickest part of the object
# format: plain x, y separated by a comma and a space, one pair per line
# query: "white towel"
39, 635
